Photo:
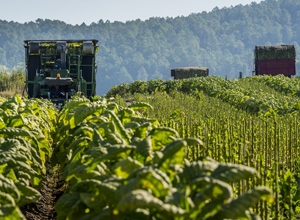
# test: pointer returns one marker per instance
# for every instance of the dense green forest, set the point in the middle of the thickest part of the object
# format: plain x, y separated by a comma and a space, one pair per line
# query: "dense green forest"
222, 40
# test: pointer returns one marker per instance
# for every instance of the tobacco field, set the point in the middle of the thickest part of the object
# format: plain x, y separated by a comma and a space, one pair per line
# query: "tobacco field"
199, 148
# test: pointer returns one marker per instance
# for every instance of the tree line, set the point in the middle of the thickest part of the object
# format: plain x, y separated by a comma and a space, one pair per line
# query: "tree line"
222, 40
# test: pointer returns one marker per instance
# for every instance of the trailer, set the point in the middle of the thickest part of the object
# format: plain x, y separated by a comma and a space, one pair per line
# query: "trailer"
189, 72
69, 65
275, 60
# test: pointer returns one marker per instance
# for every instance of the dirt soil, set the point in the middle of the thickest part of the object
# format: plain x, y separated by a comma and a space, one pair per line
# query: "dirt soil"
52, 188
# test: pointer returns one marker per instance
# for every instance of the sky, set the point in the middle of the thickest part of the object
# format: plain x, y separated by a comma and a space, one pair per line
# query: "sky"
88, 11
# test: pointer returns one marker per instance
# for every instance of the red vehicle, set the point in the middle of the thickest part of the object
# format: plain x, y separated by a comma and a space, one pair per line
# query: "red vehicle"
275, 60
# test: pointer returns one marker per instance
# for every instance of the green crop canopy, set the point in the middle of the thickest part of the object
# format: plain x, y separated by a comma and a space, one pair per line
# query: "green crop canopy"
275, 52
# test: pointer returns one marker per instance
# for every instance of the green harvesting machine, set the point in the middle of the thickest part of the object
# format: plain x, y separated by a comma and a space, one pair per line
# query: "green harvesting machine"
69, 65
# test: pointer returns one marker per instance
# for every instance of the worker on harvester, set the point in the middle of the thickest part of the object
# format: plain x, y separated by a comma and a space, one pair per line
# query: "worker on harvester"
57, 92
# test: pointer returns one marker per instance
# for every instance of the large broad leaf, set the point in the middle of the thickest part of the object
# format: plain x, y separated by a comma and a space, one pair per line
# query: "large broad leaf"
78, 142
233, 172
18, 165
94, 201
2, 167
141, 131
119, 126
8, 186
140, 106
143, 148
212, 193
13, 145
45, 146
237, 208
97, 138
37, 161
174, 153
17, 121
6, 199
2, 123
106, 192
61, 132
87, 131
197, 169
162, 136
148, 178
13, 132
114, 152
125, 167
66, 204
83, 111
143, 199
14, 213
142, 120
28, 194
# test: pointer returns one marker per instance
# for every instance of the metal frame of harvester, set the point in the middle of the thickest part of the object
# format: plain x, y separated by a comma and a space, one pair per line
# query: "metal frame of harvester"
71, 64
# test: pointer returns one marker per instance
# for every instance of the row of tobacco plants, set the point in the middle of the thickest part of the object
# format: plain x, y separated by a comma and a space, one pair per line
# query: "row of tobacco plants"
250, 100
121, 165
26, 129
266, 140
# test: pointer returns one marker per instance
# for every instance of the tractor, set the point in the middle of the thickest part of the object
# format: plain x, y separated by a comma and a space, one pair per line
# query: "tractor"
69, 65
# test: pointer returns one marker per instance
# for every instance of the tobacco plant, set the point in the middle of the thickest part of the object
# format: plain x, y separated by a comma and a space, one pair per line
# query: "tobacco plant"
26, 128
121, 165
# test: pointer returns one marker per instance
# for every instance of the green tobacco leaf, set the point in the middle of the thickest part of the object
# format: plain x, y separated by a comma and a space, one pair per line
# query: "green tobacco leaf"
16, 121
66, 204
125, 167
119, 126
233, 172
148, 178
87, 131
13, 132
140, 106
237, 208
132, 125
86, 186
2, 123
97, 138
78, 142
143, 199
141, 131
213, 196
114, 152
143, 146
28, 194
9, 212
2, 167
142, 120
174, 153
93, 201
62, 131
102, 214
37, 161
197, 169
8, 186
193, 141
11, 175
45, 146
83, 111
6, 199
161, 136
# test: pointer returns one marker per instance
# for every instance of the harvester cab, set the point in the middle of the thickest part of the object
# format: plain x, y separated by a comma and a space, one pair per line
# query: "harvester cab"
67, 66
